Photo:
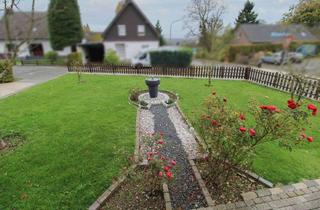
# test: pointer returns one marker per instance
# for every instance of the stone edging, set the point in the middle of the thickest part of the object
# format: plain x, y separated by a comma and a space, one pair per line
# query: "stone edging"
137, 143
202, 184
103, 198
166, 196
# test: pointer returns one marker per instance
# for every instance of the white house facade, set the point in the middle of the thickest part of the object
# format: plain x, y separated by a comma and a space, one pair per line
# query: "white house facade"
130, 32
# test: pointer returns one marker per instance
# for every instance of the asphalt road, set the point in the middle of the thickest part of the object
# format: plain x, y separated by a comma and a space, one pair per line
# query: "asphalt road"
28, 76
37, 74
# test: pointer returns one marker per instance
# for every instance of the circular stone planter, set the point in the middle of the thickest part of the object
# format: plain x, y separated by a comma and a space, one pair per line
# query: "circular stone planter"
153, 84
144, 101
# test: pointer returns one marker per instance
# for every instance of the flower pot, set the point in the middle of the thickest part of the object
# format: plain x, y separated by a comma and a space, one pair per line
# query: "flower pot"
153, 84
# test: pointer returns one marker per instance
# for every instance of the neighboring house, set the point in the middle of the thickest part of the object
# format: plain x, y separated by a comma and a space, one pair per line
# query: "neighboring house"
20, 24
130, 32
251, 34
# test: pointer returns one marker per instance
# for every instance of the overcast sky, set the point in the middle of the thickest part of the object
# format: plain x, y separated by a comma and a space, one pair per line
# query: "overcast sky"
99, 13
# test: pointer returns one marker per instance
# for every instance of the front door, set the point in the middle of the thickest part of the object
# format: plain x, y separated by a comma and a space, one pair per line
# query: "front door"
121, 51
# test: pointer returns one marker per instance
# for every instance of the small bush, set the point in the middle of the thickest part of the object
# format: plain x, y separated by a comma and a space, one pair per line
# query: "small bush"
6, 73
74, 58
180, 58
52, 56
112, 58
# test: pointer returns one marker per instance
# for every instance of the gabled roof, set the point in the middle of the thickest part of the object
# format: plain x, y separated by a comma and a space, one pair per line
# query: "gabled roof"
127, 3
259, 33
20, 23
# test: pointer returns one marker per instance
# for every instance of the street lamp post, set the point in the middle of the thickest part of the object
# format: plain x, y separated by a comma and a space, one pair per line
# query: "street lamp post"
172, 23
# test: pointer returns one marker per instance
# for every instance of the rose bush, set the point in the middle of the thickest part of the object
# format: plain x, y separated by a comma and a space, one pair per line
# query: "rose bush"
161, 168
231, 137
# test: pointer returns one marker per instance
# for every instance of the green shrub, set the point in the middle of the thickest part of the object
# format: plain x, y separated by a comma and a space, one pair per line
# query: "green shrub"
181, 58
52, 56
74, 58
112, 58
6, 73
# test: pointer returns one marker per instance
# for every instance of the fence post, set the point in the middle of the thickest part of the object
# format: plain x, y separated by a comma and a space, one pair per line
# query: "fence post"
247, 73
317, 95
275, 80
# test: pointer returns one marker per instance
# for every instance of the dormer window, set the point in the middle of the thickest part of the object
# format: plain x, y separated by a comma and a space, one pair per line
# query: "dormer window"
122, 30
141, 30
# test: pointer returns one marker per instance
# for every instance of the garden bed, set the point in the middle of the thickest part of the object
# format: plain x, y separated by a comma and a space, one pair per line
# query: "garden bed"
230, 191
133, 194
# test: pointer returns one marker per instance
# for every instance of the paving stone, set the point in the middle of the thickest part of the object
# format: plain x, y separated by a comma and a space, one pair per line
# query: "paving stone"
262, 193
313, 189
291, 194
300, 186
267, 199
249, 195
283, 195
288, 188
168, 206
249, 202
275, 197
263, 206
317, 181
313, 196
279, 203
310, 183
306, 191
240, 204
230, 206
220, 207
276, 190
258, 200
299, 192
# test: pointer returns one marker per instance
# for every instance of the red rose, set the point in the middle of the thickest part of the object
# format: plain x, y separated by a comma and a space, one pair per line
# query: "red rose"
310, 139
173, 162
214, 123
243, 129
304, 136
242, 117
160, 141
269, 108
252, 132
313, 108
167, 168
160, 174
169, 174
292, 104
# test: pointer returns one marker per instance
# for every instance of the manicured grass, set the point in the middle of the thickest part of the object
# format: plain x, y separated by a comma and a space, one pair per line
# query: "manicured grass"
76, 135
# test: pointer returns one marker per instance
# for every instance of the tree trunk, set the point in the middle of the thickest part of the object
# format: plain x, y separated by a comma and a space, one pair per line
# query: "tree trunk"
74, 48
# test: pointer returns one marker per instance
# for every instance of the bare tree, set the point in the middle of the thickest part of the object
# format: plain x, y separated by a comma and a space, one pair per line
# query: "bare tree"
204, 20
14, 44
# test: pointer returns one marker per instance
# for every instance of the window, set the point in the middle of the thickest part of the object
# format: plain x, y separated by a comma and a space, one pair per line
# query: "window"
141, 30
122, 30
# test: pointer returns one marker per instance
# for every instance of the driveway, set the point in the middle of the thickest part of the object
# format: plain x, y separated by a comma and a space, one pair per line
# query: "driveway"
28, 76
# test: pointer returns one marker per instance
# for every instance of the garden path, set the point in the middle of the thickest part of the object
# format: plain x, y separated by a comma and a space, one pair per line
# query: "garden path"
185, 191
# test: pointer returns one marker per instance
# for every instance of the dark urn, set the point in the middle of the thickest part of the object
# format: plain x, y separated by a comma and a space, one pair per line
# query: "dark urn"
153, 84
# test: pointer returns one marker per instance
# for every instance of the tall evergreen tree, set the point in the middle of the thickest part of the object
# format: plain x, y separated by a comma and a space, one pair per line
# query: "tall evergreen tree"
64, 21
159, 29
247, 15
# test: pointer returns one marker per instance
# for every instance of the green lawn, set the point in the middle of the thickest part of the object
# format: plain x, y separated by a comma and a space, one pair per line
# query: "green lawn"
74, 133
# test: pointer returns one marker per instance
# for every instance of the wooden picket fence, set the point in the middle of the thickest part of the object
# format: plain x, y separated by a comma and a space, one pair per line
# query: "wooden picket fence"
281, 81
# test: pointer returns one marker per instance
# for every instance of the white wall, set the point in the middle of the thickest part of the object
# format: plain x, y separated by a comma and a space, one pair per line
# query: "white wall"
24, 50
132, 48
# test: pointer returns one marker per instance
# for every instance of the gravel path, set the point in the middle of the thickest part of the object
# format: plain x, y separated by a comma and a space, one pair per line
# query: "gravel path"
184, 190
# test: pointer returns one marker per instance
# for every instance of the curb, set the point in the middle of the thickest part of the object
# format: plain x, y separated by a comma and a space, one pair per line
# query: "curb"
201, 183
166, 196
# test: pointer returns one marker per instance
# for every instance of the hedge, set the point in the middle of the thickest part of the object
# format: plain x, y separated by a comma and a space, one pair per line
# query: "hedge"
6, 73
181, 58
112, 58
74, 58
